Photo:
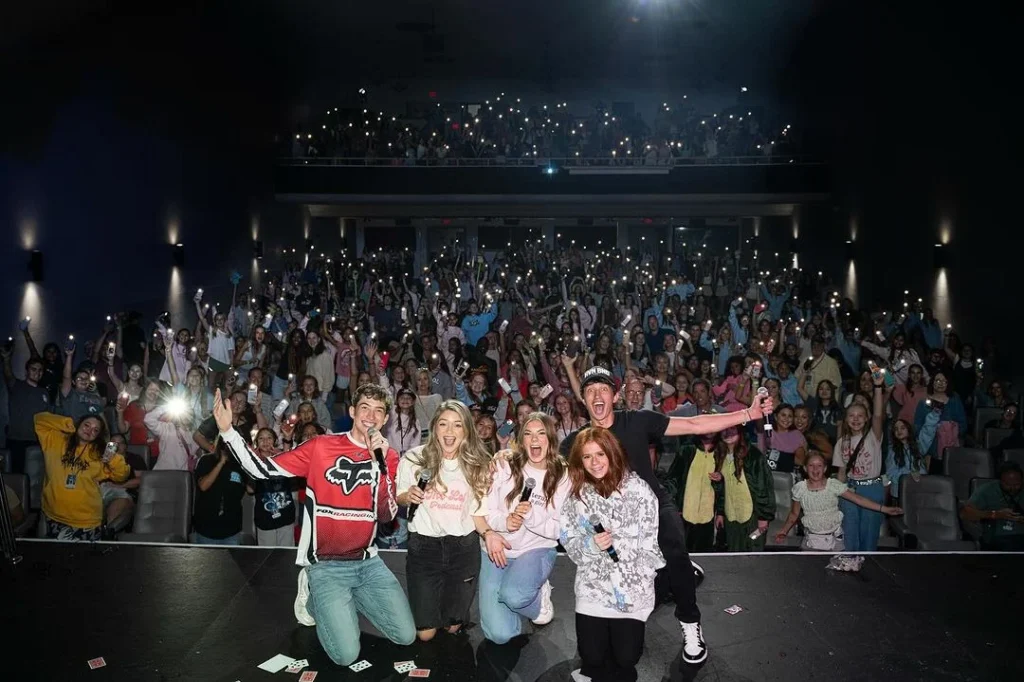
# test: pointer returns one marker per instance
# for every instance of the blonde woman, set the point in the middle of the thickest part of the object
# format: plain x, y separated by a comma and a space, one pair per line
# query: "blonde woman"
520, 535
443, 562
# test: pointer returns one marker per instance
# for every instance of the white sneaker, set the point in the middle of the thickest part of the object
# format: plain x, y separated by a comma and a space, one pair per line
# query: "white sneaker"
301, 599
547, 609
577, 676
694, 648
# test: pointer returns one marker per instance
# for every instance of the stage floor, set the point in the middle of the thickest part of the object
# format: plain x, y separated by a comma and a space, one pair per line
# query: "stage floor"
192, 613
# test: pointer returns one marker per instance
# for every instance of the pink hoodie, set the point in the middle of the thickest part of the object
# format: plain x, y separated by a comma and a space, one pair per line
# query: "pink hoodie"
541, 526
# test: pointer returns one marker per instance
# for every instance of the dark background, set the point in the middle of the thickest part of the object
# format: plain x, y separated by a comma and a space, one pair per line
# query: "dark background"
125, 128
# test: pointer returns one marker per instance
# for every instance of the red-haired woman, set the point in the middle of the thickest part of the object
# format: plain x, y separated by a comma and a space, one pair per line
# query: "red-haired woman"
610, 530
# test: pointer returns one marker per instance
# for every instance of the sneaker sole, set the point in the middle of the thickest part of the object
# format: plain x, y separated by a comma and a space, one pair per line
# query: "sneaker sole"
695, 661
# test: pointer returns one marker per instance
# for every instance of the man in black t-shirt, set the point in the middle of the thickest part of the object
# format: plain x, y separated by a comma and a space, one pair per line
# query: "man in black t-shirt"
220, 487
637, 430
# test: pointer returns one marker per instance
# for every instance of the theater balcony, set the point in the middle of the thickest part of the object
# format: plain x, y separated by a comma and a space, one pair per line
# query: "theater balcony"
533, 187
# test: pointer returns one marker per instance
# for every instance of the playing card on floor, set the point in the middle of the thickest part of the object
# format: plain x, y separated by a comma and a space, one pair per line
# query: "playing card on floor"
405, 666
359, 666
307, 676
96, 663
733, 610
297, 666
420, 672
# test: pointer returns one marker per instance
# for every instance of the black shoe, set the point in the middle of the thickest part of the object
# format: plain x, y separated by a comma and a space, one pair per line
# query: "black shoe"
698, 573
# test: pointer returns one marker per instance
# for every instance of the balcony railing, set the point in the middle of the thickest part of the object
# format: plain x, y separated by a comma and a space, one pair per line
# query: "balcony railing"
539, 162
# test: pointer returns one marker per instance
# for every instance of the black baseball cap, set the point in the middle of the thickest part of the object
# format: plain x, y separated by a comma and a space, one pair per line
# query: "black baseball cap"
597, 375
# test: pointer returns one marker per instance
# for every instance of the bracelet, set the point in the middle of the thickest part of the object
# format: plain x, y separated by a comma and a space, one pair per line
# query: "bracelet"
747, 413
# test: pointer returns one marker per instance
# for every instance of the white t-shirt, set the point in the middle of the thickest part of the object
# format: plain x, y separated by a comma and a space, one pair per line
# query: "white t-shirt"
222, 346
869, 460
442, 513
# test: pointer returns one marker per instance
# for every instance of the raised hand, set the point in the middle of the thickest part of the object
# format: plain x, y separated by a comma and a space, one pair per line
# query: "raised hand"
222, 412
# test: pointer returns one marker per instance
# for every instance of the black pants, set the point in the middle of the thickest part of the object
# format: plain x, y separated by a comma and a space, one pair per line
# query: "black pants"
17, 449
441, 575
672, 540
609, 647
700, 537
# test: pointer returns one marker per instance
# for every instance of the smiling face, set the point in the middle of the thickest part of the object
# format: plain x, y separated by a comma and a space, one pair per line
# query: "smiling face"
598, 399
900, 430
784, 419
856, 417
265, 441
940, 383
536, 443
478, 383
595, 461
523, 410
801, 419
816, 468
89, 429
367, 413
485, 427
449, 433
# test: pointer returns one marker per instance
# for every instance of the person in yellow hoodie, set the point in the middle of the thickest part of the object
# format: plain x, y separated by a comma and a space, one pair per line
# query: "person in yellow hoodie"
77, 460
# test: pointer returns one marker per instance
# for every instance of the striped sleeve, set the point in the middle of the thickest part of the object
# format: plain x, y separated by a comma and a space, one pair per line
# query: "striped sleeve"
291, 464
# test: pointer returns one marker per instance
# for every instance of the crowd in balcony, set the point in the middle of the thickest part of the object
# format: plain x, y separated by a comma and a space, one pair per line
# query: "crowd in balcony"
506, 129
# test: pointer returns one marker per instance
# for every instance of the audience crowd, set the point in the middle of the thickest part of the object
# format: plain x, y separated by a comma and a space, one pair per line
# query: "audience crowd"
870, 397
506, 130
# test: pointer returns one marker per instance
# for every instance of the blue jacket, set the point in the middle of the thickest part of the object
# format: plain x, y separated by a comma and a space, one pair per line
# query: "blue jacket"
775, 302
739, 335
952, 412
850, 349
925, 438
476, 326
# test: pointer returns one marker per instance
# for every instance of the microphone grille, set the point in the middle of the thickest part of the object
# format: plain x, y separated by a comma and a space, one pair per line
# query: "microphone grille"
530, 484
762, 391
425, 475
595, 520
372, 431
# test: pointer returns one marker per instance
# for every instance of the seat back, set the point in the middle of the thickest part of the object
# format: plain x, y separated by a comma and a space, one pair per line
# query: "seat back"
978, 482
1014, 455
19, 484
963, 464
783, 483
929, 507
165, 503
110, 416
5, 460
982, 416
994, 437
35, 469
248, 515
139, 455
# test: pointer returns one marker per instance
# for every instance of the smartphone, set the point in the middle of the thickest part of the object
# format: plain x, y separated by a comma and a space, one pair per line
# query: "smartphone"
625, 320
109, 451
505, 386
281, 407
111, 350
251, 396
546, 391
405, 314
656, 391
9, 344
889, 378
293, 420
384, 357
503, 327
505, 430
572, 348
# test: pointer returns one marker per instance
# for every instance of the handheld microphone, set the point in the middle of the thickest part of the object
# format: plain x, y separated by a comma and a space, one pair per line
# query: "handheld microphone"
527, 490
424, 480
377, 452
763, 393
596, 523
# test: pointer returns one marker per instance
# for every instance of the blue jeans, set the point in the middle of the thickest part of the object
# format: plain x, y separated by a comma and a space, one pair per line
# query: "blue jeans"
235, 539
339, 590
507, 593
277, 386
861, 526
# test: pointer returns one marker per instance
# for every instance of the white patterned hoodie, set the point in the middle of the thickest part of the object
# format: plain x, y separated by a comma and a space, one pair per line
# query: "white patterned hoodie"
604, 588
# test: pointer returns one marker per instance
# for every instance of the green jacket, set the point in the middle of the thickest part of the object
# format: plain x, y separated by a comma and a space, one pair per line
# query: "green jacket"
762, 487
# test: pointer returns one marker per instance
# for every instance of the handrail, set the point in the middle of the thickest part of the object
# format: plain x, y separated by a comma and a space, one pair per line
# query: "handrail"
539, 162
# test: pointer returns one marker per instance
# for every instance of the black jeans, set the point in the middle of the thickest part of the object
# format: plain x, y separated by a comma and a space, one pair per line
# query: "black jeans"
441, 574
700, 537
609, 647
672, 540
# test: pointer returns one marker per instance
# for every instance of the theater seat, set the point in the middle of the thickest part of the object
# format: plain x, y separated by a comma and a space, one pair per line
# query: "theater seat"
982, 416
1014, 455
5, 460
963, 464
248, 520
973, 529
164, 509
994, 437
139, 455
783, 483
930, 520
19, 484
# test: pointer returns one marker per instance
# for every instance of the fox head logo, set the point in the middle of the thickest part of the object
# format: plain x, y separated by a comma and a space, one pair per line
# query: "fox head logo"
350, 474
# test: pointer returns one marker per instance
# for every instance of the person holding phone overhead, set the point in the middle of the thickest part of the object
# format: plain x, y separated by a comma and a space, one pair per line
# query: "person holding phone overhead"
636, 430
609, 528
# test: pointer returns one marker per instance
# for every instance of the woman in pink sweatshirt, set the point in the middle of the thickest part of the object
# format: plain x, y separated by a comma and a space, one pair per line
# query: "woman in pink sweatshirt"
529, 486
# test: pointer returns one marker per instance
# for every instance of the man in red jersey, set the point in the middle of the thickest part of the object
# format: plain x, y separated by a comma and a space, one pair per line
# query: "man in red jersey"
350, 488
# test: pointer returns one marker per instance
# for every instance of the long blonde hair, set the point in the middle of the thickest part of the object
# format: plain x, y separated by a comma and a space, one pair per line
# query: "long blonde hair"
474, 460
556, 466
